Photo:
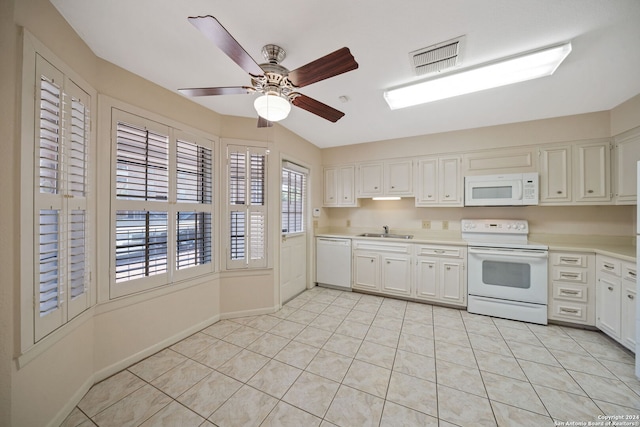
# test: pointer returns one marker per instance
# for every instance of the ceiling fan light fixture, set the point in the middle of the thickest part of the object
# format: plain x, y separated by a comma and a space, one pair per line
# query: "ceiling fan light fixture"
272, 107
515, 69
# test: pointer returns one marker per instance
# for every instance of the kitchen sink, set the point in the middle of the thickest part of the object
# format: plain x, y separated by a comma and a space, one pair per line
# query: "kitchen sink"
389, 236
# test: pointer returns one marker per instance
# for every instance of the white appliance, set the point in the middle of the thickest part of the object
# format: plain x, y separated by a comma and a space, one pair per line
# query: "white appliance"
516, 189
506, 276
333, 262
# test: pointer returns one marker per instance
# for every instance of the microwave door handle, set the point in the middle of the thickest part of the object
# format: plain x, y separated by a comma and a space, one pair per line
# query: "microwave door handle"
519, 185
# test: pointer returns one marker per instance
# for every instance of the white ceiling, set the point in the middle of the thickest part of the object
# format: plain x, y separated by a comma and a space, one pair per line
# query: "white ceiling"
152, 38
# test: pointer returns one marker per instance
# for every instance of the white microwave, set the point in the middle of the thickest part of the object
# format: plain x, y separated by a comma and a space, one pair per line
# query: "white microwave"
517, 189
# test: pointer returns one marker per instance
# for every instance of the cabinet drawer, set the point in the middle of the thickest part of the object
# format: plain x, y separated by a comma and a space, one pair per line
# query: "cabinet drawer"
566, 291
609, 265
568, 311
574, 260
377, 246
573, 275
629, 272
440, 251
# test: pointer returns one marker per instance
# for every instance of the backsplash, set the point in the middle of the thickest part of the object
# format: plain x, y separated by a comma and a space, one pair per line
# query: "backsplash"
403, 215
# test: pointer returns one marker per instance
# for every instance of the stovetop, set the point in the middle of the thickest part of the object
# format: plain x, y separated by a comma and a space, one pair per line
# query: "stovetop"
498, 233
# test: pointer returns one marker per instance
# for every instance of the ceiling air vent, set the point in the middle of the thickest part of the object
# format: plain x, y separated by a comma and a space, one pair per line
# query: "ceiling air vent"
437, 58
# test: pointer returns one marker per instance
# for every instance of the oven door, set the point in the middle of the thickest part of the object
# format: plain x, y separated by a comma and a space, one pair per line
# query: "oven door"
506, 273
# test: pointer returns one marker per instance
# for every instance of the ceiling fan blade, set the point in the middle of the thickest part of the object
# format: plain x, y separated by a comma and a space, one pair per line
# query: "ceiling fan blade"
209, 91
317, 108
215, 32
333, 64
264, 123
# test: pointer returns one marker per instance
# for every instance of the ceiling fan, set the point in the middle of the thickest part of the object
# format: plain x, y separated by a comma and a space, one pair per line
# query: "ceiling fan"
276, 83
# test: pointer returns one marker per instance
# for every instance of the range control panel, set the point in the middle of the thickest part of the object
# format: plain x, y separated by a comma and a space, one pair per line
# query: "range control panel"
495, 226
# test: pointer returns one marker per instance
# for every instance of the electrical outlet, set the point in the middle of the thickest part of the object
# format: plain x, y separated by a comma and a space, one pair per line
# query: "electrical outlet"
445, 225
348, 223
426, 224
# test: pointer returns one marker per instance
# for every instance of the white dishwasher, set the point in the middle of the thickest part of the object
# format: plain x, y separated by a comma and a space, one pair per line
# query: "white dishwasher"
333, 262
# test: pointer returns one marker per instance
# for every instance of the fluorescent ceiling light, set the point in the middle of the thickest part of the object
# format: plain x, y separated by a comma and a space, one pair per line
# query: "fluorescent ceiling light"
272, 107
520, 68
386, 198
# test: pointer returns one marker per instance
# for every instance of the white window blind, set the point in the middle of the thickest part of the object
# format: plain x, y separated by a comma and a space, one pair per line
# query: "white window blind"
62, 242
294, 182
247, 181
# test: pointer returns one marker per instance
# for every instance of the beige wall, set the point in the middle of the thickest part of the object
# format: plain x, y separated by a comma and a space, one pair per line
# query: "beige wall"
625, 116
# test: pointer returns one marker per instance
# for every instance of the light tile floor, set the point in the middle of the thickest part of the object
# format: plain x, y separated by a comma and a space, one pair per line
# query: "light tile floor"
332, 358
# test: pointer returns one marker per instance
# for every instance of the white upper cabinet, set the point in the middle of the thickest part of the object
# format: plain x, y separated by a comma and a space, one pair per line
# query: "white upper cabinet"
398, 178
592, 172
389, 178
371, 179
626, 157
340, 186
555, 174
439, 181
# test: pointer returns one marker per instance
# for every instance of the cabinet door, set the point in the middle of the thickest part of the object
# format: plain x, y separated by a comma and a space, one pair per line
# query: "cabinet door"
608, 305
555, 175
398, 178
427, 278
452, 289
370, 180
450, 181
592, 172
366, 272
627, 155
396, 274
628, 309
347, 186
330, 187
427, 182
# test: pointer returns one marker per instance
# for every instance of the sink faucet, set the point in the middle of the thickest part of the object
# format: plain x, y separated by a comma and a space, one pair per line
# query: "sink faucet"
386, 229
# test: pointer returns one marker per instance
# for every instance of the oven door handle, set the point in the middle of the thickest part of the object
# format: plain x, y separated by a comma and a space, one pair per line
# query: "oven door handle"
510, 252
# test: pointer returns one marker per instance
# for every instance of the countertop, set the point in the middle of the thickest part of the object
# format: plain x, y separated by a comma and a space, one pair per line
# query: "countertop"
620, 247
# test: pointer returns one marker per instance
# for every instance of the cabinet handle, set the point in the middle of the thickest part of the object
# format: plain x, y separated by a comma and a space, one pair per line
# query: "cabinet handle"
569, 275
568, 292
393, 186
569, 310
569, 260
559, 191
375, 188
372, 260
439, 251
589, 191
632, 274
429, 196
629, 296
610, 288
607, 266
447, 196
388, 262
448, 268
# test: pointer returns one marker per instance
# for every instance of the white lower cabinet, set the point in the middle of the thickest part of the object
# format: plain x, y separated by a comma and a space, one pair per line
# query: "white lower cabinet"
572, 287
388, 268
615, 299
366, 271
440, 274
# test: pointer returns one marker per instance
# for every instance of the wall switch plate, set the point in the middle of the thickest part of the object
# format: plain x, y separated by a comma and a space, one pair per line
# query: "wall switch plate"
445, 225
316, 212
426, 224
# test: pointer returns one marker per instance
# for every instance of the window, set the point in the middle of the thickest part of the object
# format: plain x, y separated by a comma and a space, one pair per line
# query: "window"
294, 182
61, 233
247, 207
163, 204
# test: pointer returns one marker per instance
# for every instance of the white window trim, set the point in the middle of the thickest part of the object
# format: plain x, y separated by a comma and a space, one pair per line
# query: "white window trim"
110, 111
31, 48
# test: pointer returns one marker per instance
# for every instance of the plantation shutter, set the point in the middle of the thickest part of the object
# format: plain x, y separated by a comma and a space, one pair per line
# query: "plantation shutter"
61, 241
247, 207
194, 166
